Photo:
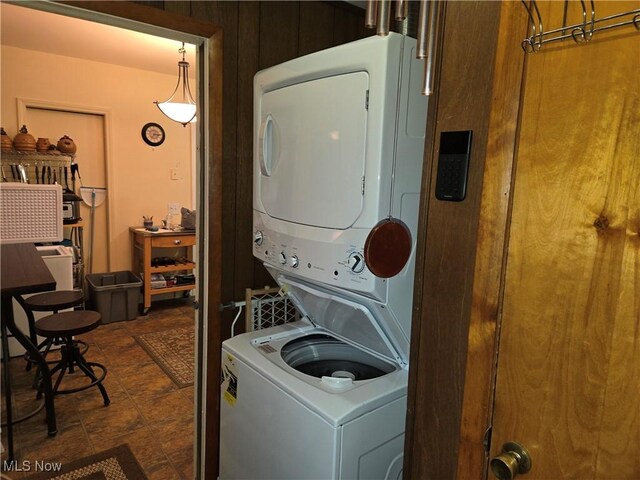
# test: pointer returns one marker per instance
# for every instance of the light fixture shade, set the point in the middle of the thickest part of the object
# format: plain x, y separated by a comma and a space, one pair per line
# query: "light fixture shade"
179, 112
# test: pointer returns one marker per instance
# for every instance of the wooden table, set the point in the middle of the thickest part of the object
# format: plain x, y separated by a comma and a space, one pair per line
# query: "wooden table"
144, 242
23, 272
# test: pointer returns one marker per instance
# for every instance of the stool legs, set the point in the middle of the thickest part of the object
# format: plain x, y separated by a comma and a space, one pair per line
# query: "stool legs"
72, 356
86, 368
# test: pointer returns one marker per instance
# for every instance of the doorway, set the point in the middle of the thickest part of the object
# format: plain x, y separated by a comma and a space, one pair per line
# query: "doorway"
208, 39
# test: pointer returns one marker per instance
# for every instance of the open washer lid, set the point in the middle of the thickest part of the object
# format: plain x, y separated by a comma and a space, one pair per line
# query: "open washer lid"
359, 320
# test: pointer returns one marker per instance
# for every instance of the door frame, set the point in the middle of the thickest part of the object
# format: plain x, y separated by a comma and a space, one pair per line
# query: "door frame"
461, 246
208, 38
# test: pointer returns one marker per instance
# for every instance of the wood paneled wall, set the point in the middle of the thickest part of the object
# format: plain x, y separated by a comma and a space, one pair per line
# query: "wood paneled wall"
455, 307
257, 35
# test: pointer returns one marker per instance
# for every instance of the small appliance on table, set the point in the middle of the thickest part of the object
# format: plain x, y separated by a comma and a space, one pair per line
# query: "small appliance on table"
337, 174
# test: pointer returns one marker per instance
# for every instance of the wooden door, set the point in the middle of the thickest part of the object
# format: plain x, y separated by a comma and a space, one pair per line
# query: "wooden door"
568, 377
88, 132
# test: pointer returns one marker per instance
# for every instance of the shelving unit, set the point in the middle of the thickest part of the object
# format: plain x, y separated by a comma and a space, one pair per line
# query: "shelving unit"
43, 168
143, 243
34, 163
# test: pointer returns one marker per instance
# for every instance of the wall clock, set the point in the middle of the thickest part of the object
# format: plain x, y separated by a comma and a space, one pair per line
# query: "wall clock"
153, 134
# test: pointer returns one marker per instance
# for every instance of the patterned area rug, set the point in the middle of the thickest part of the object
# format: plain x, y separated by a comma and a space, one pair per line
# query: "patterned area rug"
174, 351
115, 464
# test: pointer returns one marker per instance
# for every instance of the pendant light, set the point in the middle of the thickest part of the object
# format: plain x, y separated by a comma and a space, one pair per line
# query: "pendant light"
180, 109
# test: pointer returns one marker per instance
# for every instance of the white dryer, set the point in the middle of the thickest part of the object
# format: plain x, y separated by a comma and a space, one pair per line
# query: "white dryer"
339, 138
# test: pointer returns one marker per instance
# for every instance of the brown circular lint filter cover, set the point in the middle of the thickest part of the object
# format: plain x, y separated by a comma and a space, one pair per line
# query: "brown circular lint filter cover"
387, 248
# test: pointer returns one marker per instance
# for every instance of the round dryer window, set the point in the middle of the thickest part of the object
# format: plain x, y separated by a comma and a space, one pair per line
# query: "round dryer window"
321, 355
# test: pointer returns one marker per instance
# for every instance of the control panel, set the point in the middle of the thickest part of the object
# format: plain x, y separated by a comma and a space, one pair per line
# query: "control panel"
337, 260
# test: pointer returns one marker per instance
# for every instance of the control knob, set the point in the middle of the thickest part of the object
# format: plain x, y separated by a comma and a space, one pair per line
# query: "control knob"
283, 258
258, 238
293, 261
356, 262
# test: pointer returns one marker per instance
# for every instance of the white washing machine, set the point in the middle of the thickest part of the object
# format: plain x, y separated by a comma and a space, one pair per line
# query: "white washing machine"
339, 138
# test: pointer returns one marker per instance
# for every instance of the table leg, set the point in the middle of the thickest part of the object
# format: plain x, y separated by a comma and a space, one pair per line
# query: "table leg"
8, 321
7, 388
147, 273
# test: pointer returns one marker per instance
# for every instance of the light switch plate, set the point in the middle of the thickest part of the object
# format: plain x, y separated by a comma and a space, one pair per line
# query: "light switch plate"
175, 174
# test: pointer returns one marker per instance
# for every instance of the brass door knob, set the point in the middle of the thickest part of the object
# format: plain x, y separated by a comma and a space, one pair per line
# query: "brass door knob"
513, 460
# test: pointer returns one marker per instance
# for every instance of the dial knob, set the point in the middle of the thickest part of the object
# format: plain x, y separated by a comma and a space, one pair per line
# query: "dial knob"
258, 238
356, 262
293, 261
283, 258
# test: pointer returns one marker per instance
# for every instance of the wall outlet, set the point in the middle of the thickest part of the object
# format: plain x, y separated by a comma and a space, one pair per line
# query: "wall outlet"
173, 208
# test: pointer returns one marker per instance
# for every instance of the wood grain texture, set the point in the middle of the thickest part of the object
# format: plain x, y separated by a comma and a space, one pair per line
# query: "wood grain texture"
492, 225
439, 341
569, 364
149, 14
316, 27
346, 25
208, 460
178, 6
279, 29
248, 64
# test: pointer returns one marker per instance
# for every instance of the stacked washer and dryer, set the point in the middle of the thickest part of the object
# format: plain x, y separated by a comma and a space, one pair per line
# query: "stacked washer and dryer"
338, 148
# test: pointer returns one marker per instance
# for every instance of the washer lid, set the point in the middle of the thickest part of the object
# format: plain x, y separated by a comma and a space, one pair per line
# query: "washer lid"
358, 320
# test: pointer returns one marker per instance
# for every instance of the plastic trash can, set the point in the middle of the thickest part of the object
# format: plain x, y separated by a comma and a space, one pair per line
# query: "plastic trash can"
114, 295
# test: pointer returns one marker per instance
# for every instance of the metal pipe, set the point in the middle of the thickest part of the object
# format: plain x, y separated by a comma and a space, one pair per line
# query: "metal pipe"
384, 16
423, 18
371, 15
432, 46
402, 9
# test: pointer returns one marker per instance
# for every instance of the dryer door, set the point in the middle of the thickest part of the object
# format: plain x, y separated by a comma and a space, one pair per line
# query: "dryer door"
311, 148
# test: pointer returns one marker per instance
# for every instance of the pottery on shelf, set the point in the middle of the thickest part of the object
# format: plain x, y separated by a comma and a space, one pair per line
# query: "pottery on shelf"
6, 142
24, 141
43, 144
67, 145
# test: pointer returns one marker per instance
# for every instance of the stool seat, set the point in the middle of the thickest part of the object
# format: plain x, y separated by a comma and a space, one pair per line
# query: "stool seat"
47, 302
54, 301
67, 324
64, 326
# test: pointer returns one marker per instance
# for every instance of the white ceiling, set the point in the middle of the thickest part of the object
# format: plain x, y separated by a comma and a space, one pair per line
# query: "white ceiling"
51, 33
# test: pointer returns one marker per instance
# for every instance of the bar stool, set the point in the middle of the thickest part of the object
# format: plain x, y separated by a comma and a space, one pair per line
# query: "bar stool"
48, 302
64, 326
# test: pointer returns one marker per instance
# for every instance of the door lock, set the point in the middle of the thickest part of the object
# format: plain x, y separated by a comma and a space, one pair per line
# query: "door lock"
513, 460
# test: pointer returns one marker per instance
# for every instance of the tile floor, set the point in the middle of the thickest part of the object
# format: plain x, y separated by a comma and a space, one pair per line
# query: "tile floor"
147, 410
